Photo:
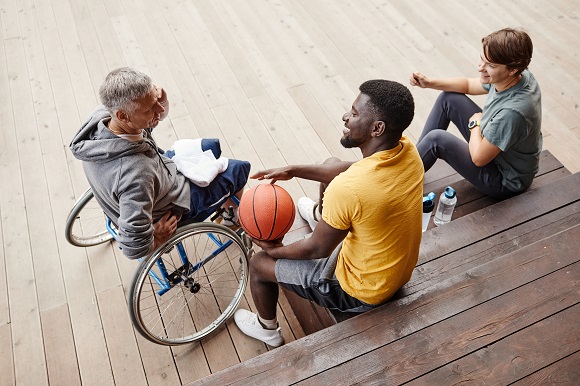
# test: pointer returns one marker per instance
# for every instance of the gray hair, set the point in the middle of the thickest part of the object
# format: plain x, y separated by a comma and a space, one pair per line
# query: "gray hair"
122, 87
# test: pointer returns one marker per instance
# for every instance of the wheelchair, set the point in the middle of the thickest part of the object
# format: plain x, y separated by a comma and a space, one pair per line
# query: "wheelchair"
188, 287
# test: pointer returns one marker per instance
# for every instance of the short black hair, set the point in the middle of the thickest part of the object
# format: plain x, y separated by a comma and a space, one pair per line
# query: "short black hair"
391, 102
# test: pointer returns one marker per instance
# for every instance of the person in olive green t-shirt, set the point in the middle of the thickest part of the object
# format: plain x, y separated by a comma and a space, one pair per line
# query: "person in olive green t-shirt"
367, 225
500, 150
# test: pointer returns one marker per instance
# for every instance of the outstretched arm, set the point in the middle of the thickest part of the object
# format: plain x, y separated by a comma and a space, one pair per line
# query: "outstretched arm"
320, 172
461, 85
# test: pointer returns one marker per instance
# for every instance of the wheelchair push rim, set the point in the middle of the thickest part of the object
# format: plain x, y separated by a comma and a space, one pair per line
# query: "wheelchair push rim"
85, 224
175, 300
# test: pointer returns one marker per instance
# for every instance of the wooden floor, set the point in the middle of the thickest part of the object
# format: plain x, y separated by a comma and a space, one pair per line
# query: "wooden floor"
271, 79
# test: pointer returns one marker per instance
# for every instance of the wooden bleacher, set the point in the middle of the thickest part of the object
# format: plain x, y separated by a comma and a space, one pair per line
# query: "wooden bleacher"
314, 318
495, 297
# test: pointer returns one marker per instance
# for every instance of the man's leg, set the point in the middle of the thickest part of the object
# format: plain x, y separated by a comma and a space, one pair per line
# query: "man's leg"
455, 151
264, 287
205, 201
450, 107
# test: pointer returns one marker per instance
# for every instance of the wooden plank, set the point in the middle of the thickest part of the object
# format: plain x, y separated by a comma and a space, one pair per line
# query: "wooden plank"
37, 102
4, 290
109, 45
9, 18
244, 73
519, 355
326, 130
6, 357
260, 48
84, 92
91, 48
350, 61
362, 334
121, 344
61, 358
460, 261
311, 318
562, 372
29, 359
91, 352
293, 322
462, 334
493, 220
157, 360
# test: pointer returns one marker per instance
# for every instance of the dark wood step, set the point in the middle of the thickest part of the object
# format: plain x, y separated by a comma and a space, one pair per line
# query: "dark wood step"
314, 318
511, 283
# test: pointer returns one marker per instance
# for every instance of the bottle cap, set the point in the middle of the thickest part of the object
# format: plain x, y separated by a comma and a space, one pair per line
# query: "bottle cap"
430, 196
428, 206
449, 192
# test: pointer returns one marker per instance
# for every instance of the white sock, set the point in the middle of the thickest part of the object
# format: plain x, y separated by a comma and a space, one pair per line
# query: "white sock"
268, 324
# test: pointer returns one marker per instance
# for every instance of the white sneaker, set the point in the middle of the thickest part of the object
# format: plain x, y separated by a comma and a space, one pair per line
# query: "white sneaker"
248, 323
306, 210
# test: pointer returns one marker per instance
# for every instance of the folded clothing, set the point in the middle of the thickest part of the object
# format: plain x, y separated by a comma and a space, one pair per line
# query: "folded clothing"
198, 159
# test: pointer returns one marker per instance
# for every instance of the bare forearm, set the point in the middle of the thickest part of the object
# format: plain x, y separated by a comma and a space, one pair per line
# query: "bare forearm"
320, 172
300, 250
461, 85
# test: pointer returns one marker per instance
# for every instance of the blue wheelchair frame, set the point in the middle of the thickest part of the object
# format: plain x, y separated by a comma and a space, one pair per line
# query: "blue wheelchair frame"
169, 280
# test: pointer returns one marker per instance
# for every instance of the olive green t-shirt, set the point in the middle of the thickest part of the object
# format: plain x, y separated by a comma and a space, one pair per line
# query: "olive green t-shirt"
512, 121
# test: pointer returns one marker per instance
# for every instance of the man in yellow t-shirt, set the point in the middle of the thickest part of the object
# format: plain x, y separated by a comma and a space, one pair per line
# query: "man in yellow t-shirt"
366, 229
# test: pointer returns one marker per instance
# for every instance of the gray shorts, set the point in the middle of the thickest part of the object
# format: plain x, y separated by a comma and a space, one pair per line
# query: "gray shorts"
315, 280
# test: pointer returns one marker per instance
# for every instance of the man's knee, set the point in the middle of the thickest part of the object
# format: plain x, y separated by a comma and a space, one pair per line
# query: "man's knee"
263, 267
239, 167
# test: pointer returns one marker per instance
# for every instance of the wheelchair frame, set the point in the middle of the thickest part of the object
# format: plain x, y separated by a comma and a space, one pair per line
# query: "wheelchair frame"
188, 287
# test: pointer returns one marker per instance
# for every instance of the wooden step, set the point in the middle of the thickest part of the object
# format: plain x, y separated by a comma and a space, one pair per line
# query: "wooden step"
495, 289
313, 318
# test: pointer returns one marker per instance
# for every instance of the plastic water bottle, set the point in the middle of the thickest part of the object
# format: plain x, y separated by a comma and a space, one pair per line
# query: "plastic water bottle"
446, 205
428, 205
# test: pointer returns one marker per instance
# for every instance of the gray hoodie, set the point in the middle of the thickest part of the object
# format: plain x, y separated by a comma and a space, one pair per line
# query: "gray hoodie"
132, 181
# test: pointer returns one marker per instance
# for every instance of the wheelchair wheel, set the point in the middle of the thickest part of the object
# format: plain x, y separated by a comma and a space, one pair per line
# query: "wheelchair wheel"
85, 225
187, 288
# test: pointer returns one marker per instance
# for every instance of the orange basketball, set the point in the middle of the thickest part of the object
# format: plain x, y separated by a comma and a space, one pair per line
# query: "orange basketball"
266, 212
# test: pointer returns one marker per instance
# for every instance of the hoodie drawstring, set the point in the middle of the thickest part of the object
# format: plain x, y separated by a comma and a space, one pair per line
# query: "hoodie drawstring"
154, 146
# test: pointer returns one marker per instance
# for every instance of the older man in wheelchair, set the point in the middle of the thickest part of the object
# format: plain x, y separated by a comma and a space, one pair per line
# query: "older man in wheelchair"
138, 187
146, 195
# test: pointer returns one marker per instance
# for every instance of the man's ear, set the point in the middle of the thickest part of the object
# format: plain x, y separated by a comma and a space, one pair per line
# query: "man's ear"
122, 116
379, 128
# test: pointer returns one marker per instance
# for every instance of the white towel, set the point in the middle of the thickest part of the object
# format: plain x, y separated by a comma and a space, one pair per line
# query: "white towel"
201, 167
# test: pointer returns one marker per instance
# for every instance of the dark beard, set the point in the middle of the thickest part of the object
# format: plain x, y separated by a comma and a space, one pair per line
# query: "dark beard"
349, 143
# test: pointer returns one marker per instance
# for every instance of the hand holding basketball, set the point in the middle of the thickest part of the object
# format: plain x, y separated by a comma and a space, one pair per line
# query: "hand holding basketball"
266, 212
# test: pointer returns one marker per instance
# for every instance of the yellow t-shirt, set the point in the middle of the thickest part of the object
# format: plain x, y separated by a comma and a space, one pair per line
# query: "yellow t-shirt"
379, 199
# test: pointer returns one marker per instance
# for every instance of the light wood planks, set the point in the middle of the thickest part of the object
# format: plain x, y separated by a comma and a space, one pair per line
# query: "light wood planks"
270, 79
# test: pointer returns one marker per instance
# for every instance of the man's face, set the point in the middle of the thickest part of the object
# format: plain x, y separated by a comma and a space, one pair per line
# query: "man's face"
492, 73
148, 111
358, 123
